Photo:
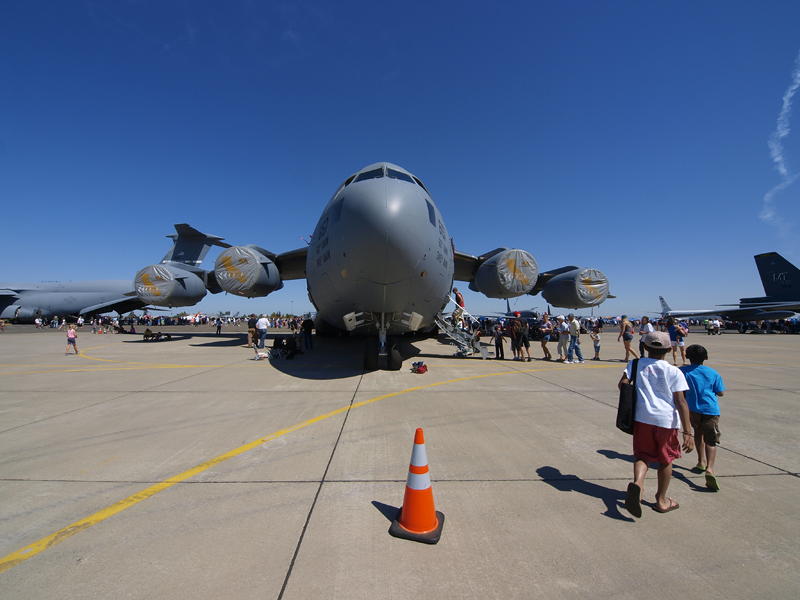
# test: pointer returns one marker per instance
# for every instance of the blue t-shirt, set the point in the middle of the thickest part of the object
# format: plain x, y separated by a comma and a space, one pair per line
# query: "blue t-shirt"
704, 383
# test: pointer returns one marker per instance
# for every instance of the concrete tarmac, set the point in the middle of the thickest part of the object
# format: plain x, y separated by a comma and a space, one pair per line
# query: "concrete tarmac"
183, 469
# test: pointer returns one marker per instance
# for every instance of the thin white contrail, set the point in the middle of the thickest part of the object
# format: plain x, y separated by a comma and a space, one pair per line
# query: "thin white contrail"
768, 214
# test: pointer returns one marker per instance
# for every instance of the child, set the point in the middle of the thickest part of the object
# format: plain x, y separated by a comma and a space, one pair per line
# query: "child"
595, 335
661, 410
499, 353
72, 339
705, 385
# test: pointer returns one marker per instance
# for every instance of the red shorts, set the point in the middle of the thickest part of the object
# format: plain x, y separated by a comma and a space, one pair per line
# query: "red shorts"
655, 444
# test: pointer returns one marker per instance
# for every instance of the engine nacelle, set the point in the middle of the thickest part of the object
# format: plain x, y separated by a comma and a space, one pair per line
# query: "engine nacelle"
580, 288
507, 274
245, 271
165, 285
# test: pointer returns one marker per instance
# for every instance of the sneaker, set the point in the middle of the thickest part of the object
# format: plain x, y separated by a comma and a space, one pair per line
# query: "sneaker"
580, 361
567, 362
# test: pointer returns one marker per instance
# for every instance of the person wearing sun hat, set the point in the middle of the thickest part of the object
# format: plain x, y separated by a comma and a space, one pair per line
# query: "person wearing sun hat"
661, 412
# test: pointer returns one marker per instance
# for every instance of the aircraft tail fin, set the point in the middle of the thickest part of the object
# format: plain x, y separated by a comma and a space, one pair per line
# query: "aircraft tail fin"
778, 276
664, 306
508, 307
191, 246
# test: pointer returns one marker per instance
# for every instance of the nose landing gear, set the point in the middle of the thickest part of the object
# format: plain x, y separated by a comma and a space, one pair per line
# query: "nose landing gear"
374, 348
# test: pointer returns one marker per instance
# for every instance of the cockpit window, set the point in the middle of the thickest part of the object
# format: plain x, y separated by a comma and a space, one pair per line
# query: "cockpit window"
431, 213
398, 175
422, 186
374, 174
336, 211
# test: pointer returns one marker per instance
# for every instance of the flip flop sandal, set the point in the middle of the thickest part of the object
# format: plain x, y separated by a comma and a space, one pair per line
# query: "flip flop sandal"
672, 506
633, 502
697, 467
711, 482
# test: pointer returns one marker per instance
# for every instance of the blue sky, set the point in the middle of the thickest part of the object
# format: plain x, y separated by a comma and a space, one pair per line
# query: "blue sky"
633, 137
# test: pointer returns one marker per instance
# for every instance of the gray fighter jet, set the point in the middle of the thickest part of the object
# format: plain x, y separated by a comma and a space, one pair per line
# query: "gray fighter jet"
24, 302
381, 264
781, 302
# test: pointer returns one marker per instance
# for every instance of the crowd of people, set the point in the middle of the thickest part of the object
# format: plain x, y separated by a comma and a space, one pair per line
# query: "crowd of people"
566, 331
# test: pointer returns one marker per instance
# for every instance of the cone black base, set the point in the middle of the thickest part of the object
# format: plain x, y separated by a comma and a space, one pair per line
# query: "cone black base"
431, 537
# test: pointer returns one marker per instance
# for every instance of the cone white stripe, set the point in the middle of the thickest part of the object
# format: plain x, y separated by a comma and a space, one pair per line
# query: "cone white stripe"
418, 482
418, 456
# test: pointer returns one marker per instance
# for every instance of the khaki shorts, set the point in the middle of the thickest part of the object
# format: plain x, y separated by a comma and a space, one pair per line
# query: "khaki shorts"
708, 425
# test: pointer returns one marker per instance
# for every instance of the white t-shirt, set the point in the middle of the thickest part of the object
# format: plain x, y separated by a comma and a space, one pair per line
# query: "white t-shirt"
262, 323
656, 381
645, 329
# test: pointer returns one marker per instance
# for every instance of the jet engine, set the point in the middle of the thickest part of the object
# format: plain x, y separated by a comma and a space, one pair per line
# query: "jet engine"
165, 285
580, 288
507, 274
245, 271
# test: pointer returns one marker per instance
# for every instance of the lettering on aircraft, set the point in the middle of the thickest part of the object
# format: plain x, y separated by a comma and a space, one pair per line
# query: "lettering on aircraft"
322, 245
323, 228
591, 288
782, 278
515, 274
324, 258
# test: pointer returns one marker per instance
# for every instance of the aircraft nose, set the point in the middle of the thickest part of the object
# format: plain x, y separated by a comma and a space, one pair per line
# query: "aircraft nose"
388, 245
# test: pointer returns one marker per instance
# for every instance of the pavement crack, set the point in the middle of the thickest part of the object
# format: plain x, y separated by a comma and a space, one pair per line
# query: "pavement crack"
319, 489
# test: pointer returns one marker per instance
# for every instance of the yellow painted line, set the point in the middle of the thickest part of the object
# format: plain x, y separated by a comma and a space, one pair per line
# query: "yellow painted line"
15, 558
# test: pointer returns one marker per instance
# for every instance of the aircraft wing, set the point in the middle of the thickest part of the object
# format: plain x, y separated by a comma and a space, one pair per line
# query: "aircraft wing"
465, 266
292, 264
8, 293
118, 305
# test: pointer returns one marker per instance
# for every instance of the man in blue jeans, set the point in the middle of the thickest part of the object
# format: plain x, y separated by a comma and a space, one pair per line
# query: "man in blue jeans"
574, 340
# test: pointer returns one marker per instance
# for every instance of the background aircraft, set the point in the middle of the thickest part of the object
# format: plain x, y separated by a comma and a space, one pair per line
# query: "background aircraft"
380, 264
24, 302
782, 299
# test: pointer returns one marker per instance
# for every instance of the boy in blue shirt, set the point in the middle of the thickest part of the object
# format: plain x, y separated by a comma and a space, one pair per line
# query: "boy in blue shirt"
705, 385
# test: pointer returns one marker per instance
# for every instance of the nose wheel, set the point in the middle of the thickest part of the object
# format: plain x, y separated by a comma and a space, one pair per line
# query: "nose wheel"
371, 352
391, 349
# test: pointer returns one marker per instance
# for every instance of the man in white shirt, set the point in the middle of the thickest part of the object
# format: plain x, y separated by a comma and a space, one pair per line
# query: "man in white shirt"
261, 328
574, 340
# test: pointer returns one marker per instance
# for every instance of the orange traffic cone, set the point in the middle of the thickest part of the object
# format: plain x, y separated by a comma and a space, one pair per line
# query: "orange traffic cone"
418, 520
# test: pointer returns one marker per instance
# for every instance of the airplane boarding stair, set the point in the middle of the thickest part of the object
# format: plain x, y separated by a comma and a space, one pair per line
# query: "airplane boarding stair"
466, 342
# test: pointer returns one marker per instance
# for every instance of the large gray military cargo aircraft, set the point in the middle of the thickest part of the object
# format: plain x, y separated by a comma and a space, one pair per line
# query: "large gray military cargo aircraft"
381, 264
24, 302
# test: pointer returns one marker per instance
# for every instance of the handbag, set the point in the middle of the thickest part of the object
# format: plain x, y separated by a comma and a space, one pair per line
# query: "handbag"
626, 410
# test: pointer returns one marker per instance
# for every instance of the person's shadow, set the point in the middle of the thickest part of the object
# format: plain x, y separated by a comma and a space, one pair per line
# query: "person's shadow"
613, 499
